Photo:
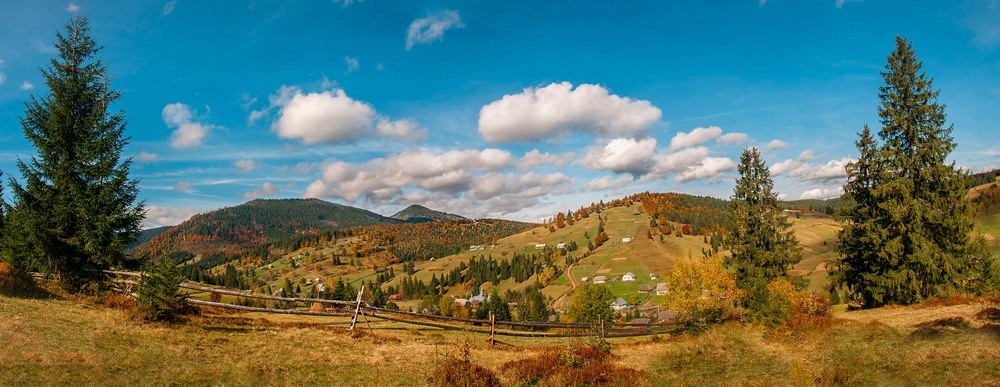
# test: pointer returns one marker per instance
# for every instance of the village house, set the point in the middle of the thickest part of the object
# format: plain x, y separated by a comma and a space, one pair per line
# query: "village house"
619, 304
628, 277
652, 276
626, 240
561, 246
540, 246
584, 279
600, 279
666, 315
661, 289
645, 289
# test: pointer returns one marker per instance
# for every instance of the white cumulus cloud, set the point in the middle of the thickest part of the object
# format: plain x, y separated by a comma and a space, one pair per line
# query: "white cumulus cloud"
534, 158
168, 8
157, 216
267, 189
710, 167
558, 109
622, 155
733, 138
831, 172
777, 144
432, 28
821, 193
332, 117
183, 187
27, 85
697, 136
72, 8
187, 133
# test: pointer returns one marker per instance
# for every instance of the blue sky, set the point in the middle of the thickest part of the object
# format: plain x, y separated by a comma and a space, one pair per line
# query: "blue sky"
500, 109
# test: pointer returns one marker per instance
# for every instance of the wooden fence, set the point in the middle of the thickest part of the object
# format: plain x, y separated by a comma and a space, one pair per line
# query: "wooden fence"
360, 308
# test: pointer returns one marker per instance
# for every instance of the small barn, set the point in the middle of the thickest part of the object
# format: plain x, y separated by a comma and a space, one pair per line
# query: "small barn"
600, 279
661, 289
645, 289
619, 304
628, 277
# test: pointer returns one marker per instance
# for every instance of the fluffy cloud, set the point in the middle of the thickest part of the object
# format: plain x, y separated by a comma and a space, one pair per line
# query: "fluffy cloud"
157, 216
777, 144
784, 166
820, 193
668, 164
72, 8
622, 155
697, 136
3, 78
27, 85
245, 166
147, 157
807, 155
733, 138
534, 158
331, 117
832, 172
528, 185
183, 187
352, 64
608, 182
188, 134
379, 180
710, 167
432, 28
267, 189
558, 109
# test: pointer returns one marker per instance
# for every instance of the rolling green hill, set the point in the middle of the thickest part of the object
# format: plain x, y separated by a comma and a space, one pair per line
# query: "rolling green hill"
417, 214
257, 222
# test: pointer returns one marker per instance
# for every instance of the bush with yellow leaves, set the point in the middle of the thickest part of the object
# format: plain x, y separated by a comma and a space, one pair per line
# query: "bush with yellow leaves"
701, 291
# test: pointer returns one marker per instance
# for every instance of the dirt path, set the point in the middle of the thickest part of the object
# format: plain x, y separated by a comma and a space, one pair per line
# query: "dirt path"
572, 285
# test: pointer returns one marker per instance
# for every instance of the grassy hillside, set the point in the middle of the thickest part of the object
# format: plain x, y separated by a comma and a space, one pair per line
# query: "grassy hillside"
255, 223
71, 341
418, 213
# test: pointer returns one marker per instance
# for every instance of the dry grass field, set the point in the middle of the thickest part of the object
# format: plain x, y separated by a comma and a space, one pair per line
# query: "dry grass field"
78, 341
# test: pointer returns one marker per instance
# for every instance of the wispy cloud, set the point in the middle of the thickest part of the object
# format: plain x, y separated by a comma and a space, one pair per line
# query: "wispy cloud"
432, 28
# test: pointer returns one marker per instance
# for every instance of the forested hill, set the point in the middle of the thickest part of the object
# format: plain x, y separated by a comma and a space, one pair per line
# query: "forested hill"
417, 214
257, 222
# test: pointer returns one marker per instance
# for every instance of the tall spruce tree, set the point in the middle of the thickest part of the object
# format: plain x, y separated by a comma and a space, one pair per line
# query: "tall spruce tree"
907, 237
77, 206
763, 248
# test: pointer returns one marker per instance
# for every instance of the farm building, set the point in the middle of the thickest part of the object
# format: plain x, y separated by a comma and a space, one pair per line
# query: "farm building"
628, 277
652, 276
561, 246
600, 279
584, 279
540, 246
661, 289
619, 304
645, 289
666, 315
639, 321
626, 240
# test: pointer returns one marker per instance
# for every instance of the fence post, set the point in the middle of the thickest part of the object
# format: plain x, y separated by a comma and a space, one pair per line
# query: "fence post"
493, 325
357, 309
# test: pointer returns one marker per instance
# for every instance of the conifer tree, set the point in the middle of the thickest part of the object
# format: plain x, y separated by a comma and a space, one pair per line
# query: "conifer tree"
77, 206
907, 237
763, 248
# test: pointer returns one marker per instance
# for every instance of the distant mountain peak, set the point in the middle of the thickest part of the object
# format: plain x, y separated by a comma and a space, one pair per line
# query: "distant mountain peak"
416, 213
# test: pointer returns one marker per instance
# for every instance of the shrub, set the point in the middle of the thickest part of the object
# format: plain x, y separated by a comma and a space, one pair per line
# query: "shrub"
782, 303
14, 282
159, 296
458, 370
575, 365
702, 291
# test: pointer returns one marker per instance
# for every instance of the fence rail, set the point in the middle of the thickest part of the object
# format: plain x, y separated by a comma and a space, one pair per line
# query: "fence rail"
405, 317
